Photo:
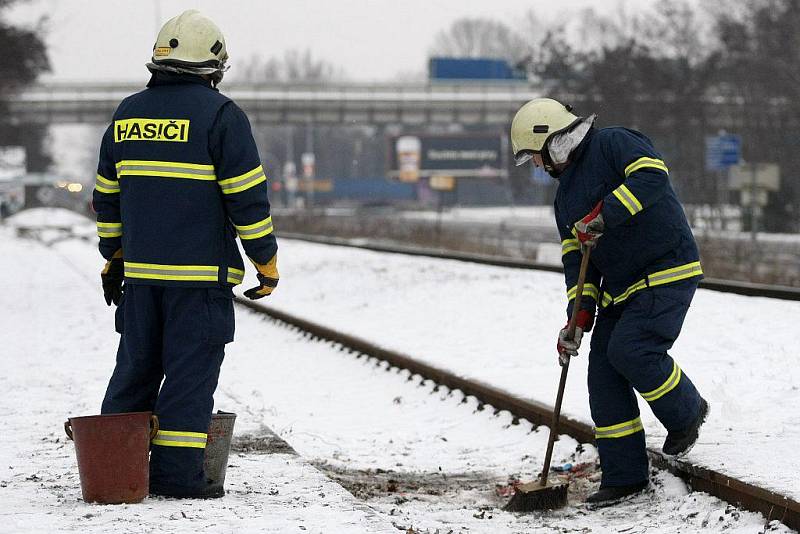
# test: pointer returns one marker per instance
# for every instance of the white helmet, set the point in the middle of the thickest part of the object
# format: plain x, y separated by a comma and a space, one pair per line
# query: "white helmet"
536, 123
190, 43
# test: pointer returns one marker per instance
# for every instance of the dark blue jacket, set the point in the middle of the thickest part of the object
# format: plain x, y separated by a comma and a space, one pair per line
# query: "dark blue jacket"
179, 177
647, 240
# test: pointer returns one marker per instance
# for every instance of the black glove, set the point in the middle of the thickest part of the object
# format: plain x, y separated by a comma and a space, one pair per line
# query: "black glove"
267, 279
112, 275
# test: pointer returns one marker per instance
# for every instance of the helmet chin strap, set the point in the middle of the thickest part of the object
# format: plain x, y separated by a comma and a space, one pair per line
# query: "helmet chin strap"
549, 166
215, 74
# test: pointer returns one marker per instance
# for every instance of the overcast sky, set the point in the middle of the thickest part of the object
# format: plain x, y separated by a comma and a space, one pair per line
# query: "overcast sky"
368, 39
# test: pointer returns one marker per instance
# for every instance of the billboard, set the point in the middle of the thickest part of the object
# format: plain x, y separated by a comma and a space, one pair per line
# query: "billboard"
457, 155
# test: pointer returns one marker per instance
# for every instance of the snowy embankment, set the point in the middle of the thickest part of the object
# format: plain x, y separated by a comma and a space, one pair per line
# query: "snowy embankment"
58, 352
499, 325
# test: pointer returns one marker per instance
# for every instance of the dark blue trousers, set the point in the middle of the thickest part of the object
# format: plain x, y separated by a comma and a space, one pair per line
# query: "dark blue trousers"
629, 352
177, 335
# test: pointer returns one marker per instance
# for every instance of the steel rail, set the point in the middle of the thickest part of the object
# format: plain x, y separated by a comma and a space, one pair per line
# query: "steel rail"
714, 284
772, 505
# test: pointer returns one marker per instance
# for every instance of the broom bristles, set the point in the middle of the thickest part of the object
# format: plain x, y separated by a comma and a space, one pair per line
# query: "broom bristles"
547, 497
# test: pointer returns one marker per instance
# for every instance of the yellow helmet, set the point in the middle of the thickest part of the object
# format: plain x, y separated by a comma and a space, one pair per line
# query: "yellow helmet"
190, 43
535, 123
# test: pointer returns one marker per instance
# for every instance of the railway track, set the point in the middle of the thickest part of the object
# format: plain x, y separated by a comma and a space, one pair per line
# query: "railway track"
714, 284
772, 505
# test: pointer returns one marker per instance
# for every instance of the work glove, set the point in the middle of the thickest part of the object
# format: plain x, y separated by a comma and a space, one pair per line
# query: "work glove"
112, 275
569, 347
267, 279
590, 228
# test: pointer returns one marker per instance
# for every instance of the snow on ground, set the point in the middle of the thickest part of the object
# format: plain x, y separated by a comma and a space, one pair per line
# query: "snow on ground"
499, 325
357, 422
528, 215
58, 352
542, 217
44, 217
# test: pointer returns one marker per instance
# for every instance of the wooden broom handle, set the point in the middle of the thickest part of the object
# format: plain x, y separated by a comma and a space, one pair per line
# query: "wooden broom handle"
573, 319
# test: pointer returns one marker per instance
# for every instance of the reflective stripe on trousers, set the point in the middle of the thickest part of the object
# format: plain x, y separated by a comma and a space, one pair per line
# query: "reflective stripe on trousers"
619, 430
174, 438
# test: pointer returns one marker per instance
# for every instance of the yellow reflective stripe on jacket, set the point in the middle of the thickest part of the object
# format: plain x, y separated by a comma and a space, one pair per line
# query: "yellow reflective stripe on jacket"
153, 271
172, 438
109, 229
668, 385
589, 290
104, 185
619, 430
641, 284
235, 276
674, 274
628, 199
255, 230
606, 299
243, 181
166, 169
658, 278
570, 245
646, 162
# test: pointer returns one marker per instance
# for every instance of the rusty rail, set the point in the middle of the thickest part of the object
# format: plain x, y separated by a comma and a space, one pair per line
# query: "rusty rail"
771, 504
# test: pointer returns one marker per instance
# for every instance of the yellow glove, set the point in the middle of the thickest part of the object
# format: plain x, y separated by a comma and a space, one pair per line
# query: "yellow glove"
267, 278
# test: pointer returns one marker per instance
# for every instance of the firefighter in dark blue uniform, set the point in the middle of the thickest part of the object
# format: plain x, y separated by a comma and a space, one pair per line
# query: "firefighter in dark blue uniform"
642, 275
179, 178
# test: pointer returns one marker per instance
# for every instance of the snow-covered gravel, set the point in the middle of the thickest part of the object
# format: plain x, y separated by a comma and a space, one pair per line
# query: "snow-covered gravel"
500, 324
352, 419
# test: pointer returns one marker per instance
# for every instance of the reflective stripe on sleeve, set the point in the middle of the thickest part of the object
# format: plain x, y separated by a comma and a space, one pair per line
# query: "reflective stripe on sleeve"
153, 271
628, 199
235, 276
646, 162
255, 230
589, 290
619, 430
570, 245
104, 185
668, 385
172, 438
109, 229
166, 169
244, 181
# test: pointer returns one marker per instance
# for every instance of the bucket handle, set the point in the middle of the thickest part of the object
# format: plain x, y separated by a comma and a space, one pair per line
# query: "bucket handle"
153, 426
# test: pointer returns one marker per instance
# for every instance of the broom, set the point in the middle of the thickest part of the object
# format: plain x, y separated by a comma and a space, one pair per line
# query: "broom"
544, 494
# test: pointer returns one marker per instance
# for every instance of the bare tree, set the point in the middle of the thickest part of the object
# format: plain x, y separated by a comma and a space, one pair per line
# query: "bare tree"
294, 66
26, 54
474, 38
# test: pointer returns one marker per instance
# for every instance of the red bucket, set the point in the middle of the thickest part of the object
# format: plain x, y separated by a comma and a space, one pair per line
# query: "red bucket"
113, 455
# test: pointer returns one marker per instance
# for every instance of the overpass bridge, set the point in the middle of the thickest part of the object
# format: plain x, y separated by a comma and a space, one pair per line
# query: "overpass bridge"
488, 104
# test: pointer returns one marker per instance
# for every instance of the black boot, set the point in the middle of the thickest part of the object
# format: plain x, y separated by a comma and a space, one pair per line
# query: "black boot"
679, 443
610, 495
209, 491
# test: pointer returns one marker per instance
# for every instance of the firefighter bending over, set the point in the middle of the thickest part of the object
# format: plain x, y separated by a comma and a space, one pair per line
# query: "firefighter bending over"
614, 194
